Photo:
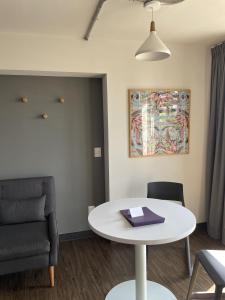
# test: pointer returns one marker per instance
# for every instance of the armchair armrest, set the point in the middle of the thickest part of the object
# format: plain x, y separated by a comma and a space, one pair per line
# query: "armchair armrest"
54, 238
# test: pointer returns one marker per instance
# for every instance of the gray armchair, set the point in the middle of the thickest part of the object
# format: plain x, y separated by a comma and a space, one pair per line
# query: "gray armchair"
28, 228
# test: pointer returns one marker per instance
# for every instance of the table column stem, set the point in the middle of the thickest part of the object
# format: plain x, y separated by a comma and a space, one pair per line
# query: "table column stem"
141, 272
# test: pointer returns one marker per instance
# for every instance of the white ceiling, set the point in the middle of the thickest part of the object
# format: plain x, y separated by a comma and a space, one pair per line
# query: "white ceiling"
200, 21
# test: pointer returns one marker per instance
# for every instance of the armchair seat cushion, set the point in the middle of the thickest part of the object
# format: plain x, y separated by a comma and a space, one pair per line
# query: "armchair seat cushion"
23, 240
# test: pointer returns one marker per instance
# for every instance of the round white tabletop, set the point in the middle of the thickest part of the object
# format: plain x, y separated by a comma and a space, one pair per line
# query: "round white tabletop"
107, 221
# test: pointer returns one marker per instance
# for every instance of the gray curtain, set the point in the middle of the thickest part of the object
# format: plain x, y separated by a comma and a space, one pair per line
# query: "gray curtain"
215, 177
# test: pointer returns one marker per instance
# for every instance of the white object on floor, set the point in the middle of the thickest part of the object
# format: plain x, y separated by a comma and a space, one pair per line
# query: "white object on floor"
106, 221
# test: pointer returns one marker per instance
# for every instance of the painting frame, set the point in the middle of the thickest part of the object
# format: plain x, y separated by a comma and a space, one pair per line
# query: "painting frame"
185, 91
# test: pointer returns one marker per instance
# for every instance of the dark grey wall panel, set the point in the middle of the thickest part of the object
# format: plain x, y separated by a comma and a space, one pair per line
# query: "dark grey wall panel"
97, 140
61, 146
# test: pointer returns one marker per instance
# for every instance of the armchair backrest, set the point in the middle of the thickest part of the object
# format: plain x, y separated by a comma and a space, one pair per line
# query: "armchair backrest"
28, 188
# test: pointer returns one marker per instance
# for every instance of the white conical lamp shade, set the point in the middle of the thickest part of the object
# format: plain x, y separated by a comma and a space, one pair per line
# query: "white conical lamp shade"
153, 48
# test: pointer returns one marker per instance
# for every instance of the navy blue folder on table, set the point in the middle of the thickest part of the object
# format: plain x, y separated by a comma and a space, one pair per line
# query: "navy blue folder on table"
148, 218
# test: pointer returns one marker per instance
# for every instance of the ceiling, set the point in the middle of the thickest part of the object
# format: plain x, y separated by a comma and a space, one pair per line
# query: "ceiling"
200, 21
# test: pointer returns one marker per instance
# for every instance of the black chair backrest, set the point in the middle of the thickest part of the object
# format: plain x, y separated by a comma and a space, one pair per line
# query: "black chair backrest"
27, 188
166, 191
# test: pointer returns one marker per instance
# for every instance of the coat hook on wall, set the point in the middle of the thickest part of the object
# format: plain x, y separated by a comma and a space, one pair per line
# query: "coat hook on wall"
24, 99
44, 116
61, 100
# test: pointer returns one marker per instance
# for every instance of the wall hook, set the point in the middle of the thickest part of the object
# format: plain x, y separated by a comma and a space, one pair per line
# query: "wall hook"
24, 99
61, 100
44, 116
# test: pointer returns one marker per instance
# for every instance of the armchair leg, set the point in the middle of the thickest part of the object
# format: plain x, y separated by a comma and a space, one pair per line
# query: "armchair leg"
193, 278
51, 272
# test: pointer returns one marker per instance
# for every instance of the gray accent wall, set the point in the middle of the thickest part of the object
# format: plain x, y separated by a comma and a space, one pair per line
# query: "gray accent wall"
61, 146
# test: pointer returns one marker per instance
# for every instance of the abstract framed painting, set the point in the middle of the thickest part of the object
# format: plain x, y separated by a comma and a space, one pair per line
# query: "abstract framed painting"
159, 121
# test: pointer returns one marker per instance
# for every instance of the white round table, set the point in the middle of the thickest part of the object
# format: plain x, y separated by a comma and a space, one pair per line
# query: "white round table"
107, 221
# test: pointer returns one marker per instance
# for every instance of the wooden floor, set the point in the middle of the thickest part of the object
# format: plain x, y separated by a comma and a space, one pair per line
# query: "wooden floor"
89, 268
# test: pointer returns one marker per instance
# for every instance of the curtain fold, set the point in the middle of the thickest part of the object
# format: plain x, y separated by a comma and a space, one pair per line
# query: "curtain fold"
215, 170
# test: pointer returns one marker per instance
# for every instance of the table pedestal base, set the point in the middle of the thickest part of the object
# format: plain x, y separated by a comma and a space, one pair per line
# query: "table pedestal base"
127, 291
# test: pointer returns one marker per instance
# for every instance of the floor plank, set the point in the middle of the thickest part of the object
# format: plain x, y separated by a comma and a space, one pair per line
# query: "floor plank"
89, 268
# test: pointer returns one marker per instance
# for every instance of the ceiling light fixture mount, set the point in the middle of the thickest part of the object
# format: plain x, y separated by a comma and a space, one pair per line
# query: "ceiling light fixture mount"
162, 2
153, 48
170, 2
152, 5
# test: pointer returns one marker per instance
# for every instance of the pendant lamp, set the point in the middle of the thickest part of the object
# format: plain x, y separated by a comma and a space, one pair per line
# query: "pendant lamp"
153, 48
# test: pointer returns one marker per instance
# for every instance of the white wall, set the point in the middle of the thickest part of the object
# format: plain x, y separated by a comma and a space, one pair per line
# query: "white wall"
188, 68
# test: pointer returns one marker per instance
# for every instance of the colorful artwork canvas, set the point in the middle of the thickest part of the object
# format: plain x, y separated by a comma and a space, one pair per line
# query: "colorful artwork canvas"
159, 121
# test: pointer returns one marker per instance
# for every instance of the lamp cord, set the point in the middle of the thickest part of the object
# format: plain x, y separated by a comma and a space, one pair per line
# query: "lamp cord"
152, 13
